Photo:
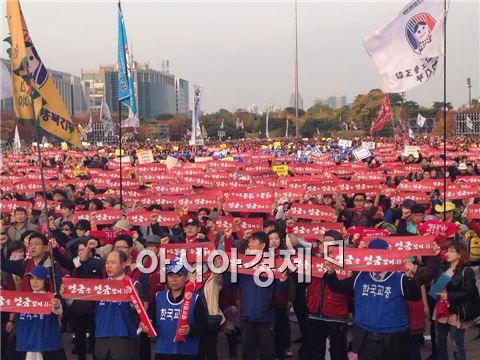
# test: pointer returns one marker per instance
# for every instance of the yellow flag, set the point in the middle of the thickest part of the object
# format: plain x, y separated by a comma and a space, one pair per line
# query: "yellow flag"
18, 61
48, 107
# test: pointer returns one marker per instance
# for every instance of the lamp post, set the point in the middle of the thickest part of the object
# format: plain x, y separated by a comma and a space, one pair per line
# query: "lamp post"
469, 84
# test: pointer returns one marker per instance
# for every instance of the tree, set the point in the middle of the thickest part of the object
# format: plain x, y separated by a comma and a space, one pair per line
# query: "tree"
320, 111
312, 126
365, 108
438, 106
395, 99
411, 106
291, 111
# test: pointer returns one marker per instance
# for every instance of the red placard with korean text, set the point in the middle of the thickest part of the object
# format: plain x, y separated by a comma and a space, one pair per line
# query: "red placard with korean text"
313, 212
94, 289
26, 302
102, 217
473, 211
259, 206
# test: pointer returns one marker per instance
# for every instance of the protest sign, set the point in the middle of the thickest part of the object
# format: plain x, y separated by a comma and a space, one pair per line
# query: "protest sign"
145, 157
361, 153
344, 143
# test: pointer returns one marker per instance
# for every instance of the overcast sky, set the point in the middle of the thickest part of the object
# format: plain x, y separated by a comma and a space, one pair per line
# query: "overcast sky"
242, 52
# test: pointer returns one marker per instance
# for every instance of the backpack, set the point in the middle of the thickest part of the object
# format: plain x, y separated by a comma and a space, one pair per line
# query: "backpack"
473, 244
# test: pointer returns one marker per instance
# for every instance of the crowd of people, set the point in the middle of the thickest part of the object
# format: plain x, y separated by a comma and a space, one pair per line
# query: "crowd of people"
88, 230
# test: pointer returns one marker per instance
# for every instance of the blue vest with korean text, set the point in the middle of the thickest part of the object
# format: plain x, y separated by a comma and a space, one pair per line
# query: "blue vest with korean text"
37, 333
115, 319
167, 316
379, 304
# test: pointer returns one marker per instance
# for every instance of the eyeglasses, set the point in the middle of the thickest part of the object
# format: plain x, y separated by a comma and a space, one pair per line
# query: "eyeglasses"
452, 250
66, 229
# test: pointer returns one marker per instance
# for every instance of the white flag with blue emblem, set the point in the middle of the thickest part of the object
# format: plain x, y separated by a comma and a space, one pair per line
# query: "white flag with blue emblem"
406, 50
411, 135
420, 120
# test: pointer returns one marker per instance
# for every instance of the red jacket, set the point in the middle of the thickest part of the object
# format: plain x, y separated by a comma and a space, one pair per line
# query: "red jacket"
323, 301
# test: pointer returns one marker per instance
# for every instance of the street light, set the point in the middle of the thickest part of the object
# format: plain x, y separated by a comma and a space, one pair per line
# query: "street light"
469, 84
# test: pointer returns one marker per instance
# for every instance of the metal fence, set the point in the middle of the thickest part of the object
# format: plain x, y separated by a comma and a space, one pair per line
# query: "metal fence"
461, 120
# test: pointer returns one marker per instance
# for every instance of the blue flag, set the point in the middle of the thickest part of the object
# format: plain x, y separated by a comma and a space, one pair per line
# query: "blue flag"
126, 93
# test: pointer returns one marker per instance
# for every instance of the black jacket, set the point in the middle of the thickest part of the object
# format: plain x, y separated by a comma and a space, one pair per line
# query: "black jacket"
458, 294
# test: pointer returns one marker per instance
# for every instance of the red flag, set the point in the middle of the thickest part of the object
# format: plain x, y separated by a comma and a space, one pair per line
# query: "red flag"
383, 116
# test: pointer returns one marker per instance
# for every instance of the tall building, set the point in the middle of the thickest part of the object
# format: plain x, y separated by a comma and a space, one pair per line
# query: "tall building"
6, 105
100, 83
181, 96
69, 87
253, 109
155, 90
291, 102
71, 90
335, 102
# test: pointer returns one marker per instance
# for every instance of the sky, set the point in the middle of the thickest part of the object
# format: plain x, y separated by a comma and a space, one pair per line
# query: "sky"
242, 52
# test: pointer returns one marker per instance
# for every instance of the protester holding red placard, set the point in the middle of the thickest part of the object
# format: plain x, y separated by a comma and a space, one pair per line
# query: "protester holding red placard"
358, 215
328, 314
38, 255
81, 312
380, 308
38, 336
169, 307
115, 322
180, 207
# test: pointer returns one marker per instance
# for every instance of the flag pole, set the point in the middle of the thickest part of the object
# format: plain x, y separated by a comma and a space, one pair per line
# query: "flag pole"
44, 186
44, 190
120, 147
45, 203
444, 109
297, 130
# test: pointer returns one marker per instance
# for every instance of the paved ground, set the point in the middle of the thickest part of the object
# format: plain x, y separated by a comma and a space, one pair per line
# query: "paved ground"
472, 345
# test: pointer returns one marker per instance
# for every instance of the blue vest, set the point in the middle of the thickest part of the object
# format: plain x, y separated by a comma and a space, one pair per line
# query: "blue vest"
167, 315
380, 305
37, 333
115, 319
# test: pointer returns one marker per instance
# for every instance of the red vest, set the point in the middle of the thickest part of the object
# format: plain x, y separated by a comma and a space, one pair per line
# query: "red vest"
334, 305
416, 316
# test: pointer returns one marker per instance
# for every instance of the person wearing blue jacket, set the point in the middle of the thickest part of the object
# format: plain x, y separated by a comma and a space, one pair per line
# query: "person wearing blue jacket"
115, 322
38, 335
257, 314
380, 324
168, 307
